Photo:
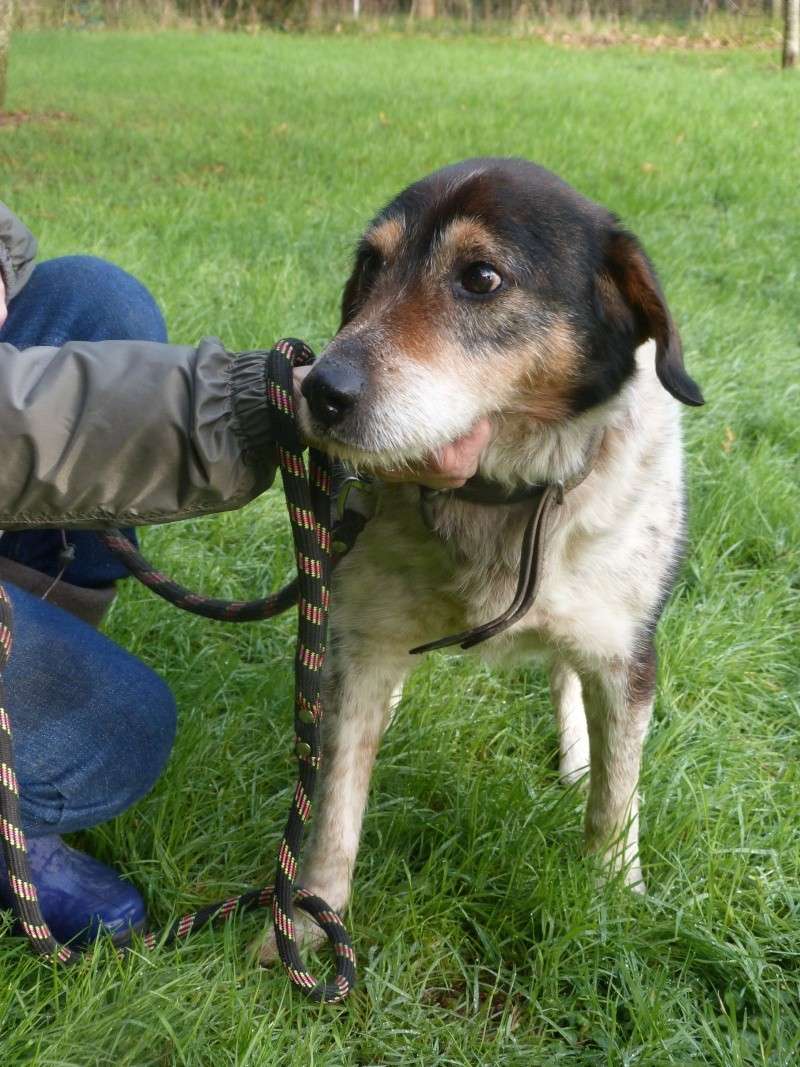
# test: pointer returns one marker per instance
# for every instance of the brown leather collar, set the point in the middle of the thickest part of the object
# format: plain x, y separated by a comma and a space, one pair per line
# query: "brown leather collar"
479, 490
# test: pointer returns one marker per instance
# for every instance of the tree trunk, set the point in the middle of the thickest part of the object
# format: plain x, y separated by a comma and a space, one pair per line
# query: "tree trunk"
424, 9
791, 34
6, 13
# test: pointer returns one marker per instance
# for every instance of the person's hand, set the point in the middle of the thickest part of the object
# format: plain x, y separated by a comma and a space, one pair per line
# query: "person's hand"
299, 373
450, 466
3, 308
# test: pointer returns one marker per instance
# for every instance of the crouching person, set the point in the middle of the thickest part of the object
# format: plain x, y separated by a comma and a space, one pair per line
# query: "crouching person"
101, 424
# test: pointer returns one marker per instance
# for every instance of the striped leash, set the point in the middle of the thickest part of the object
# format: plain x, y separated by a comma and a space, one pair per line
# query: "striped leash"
308, 500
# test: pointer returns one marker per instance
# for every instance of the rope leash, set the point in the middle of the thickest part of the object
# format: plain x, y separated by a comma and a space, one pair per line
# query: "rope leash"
308, 499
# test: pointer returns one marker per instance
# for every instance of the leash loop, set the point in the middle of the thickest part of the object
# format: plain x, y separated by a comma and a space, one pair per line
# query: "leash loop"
308, 498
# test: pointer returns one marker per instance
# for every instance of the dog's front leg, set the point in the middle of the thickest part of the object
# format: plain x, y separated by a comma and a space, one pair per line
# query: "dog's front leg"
359, 698
573, 737
357, 711
618, 702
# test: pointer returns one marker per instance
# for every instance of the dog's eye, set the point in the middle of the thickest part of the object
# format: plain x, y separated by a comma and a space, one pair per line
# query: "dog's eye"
371, 263
480, 278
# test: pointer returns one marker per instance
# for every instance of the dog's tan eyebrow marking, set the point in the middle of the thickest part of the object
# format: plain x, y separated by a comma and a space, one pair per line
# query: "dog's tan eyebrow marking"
466, 231
467, 237
387, 236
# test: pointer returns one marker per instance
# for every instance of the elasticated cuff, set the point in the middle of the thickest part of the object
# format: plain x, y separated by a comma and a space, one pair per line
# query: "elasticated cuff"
249, 410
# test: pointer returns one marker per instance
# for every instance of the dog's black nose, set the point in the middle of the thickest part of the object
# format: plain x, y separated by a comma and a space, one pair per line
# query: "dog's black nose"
331, 389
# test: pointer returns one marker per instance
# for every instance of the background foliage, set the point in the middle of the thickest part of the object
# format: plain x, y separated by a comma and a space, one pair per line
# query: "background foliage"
465, 14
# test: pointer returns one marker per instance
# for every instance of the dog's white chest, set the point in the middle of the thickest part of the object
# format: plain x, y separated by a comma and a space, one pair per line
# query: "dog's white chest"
404, 585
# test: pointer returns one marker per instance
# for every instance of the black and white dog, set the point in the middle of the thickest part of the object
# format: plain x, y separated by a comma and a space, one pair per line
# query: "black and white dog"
492, 289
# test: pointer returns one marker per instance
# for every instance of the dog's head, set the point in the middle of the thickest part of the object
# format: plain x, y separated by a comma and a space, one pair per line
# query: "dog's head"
487, 287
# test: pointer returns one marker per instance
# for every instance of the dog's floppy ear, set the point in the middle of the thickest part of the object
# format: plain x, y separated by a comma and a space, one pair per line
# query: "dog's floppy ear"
629, 274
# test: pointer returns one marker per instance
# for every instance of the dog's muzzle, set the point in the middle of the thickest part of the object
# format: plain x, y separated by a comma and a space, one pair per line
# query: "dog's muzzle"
332, 390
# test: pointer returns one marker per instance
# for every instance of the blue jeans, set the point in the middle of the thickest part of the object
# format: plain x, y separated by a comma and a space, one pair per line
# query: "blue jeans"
93, 726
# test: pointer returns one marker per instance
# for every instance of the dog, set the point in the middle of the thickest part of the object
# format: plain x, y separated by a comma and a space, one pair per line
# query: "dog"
493, 289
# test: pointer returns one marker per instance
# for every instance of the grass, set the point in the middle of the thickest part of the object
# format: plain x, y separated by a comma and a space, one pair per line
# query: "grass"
233, 175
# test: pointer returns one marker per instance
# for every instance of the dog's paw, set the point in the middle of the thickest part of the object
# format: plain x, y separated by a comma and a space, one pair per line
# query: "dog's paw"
307, 934
573, 764
634, 879
612, 865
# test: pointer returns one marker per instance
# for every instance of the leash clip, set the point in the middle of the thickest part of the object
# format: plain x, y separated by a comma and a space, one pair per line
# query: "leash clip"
352, 512
559, 488
362, 487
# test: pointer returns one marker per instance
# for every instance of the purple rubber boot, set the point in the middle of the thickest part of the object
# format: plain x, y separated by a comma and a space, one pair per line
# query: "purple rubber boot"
81, 899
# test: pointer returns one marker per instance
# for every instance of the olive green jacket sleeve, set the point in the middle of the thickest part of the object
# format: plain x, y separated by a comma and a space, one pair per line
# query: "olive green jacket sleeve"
129, 433
124, 432
17, 252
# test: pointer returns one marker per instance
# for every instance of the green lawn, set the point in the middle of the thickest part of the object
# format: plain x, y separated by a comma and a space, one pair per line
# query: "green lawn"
233, 174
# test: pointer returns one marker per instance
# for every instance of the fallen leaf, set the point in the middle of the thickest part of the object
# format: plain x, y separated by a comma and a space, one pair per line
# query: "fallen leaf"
727, 443
648, 168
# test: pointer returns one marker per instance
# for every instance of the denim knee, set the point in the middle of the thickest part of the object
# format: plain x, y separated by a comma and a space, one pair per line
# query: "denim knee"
93, 725
145, 740
106, 301
82, 298
133, 750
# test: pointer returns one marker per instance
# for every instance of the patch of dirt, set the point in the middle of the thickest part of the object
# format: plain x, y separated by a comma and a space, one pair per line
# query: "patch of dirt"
17, 118
499, 1007
652, 43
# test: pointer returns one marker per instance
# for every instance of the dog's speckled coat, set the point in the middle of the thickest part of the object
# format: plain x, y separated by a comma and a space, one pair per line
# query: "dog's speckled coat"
577, 338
